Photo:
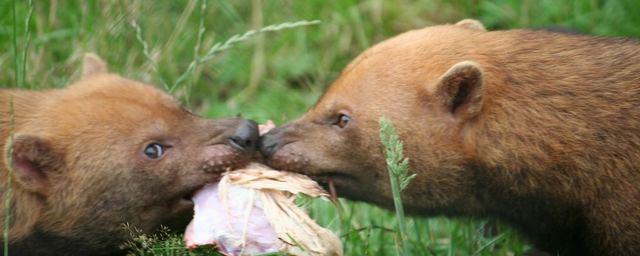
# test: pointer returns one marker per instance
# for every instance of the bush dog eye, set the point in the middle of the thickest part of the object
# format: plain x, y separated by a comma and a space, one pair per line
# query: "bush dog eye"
342, 120
154, 150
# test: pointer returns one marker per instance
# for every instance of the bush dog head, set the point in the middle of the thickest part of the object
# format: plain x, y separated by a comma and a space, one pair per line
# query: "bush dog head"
536, 128
337, 139
103, 152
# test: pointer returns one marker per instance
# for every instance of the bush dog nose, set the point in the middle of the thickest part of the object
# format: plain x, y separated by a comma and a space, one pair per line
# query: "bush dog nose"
269, 144
246, 136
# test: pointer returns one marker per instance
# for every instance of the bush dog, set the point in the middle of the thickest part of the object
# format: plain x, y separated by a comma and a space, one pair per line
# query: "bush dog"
103, 152
535, 128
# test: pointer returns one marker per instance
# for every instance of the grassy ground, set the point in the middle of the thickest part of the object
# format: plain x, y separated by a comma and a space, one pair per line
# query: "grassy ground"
277, 75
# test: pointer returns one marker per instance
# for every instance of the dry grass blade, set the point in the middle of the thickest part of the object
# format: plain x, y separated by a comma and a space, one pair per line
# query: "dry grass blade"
219, 47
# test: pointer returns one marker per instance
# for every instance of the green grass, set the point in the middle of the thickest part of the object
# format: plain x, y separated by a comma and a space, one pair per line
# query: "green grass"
8, 187
276, 75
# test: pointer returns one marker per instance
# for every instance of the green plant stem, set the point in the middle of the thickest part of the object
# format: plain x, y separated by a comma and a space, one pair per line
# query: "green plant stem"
8, 194
15, 46
147, 53
190, 71
25, 50
214, 50
397, 202
219, 47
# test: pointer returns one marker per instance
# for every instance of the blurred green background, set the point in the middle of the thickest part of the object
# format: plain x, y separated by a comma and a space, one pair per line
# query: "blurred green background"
277, 75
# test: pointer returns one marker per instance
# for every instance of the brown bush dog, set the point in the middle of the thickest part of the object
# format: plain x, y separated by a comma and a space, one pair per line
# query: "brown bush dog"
538, 129
103, 152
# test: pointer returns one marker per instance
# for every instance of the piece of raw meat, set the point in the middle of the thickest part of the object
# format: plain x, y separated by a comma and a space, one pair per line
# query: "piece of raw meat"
252, 211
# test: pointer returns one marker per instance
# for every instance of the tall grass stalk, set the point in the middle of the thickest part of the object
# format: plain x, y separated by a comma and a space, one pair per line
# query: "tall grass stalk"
20, 60
237, 38
258, 64
214, 50
193, 66
15, 46
20, 65
8, 193
196, 50
27, 34
147, 54
219, 47
398, 167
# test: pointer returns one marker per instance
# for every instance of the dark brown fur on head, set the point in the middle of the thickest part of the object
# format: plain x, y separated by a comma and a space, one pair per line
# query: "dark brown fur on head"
538, 129
80, 171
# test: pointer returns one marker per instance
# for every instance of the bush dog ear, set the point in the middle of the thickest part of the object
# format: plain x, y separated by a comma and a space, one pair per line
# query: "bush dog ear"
93, 65
460, 90
32, 160
471, 24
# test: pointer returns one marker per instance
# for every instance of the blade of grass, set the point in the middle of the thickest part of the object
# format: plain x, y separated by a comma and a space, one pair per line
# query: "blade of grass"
146, 53
220, 47
490, 243
229, 11
182, 22
15, 46
196, 50
19, 79
258, 65
215, 49
8, 191
20, 61
25, 49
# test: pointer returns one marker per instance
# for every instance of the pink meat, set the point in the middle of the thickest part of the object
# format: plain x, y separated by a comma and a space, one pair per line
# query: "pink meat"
252, 211
215, 224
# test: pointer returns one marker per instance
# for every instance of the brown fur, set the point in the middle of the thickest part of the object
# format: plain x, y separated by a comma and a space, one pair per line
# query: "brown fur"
79, 171
539, 129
